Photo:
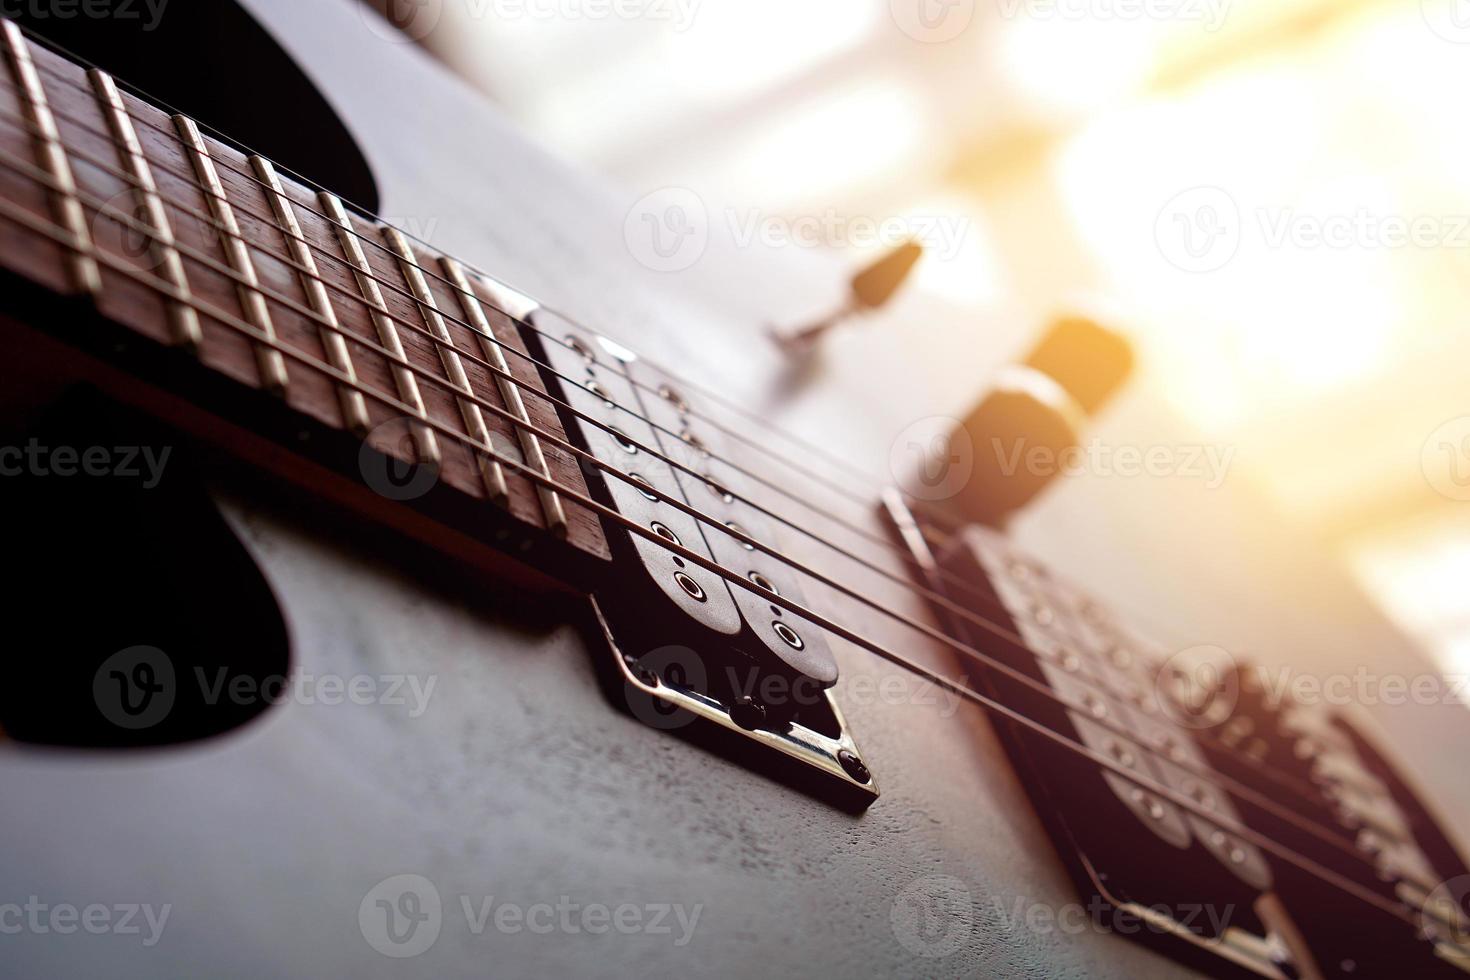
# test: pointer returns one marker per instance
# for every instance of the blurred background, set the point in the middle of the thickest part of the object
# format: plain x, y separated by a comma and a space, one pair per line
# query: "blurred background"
1273, 191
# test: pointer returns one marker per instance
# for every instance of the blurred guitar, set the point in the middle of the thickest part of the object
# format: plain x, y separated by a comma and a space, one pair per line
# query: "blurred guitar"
372, 617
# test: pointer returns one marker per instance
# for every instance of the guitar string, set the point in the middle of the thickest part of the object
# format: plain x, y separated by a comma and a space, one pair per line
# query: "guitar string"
827, 481
436, 380
960, 611
755, 418
1290, 782
1091, 680
1398, 909
946, 523
1213, 777
885, 544
1222, 822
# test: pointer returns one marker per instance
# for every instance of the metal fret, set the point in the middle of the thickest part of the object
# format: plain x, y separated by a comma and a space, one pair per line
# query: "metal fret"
510, 392
252, 300
490, 470
183, 320
354, 407
367, 282
85, 275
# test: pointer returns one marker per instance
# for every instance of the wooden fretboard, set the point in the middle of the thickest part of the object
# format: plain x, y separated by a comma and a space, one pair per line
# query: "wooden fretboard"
184, 239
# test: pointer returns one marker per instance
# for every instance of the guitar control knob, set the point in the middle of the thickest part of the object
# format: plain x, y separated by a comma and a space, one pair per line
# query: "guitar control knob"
1035, 414
871, 288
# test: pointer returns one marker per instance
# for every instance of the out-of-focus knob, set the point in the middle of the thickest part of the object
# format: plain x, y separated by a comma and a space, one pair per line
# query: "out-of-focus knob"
1036, 412
870, 289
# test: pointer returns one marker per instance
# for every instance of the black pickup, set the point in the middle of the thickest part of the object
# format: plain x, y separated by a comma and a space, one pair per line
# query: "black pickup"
1171, 876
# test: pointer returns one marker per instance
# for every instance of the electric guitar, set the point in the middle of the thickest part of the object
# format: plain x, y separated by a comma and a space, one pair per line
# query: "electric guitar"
450, 594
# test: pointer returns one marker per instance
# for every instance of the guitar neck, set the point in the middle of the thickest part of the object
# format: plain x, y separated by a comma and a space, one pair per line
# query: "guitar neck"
265, 283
